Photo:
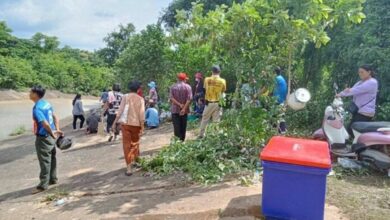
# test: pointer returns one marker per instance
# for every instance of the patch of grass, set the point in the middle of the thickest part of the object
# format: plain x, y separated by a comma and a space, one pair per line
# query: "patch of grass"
360, 195
55, 195
299, 133
18, 131
341, 173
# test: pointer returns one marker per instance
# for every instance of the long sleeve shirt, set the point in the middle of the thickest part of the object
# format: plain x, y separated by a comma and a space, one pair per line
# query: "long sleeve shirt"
136, 113
78, 108
364, 96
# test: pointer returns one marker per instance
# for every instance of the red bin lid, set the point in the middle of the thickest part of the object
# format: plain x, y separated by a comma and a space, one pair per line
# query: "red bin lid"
297, 151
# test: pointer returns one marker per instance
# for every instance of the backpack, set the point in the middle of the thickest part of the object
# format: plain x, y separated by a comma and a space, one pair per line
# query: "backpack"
115, 99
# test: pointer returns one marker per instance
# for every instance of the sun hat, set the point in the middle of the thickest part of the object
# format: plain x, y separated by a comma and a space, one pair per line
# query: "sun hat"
152, 84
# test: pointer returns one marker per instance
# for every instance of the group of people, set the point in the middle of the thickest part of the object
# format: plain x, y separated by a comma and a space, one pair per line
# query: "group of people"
131, 113
112, 99
127, 113
206, 96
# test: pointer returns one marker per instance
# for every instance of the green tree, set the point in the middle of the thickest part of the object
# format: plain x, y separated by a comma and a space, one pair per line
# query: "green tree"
254, 36
145, 57
352, 46
24, 62
169, 16
16, 73
117, 42
5, 38
46, 43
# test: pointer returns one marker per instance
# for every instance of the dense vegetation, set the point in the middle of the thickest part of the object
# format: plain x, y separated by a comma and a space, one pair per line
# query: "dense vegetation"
39, 60
169, 16
248, 40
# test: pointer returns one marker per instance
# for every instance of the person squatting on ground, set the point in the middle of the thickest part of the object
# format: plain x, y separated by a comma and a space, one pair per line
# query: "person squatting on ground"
151, 116
78, 112
46, 130
111, 109
215, 86
364, 95
93, 122
180, 96
133, 124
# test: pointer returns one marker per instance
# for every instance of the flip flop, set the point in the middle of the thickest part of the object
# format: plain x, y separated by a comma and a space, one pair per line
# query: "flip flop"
37, 190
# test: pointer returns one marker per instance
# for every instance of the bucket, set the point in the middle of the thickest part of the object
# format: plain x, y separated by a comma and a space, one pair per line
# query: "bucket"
298, 99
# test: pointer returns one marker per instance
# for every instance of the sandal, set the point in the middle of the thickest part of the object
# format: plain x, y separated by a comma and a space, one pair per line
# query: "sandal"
137, 168
129, 170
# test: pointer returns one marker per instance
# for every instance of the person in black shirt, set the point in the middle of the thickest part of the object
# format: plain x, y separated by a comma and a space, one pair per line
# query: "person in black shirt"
198, 92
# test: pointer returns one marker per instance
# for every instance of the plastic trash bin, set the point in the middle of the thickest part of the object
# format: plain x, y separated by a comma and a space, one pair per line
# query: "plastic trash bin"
294, 178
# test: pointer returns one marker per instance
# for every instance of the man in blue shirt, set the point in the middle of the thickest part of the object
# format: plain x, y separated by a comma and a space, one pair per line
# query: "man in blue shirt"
280, 91
151, 116
46, 129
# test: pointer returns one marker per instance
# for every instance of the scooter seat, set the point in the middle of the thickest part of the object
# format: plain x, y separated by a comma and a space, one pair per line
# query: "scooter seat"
363, 127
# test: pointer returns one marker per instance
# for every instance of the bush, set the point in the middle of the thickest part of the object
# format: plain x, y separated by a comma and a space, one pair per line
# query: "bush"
230, 147
383, 112
309, 118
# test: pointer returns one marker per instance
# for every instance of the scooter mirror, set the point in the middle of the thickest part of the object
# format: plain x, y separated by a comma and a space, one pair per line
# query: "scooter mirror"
337, 102
335, 86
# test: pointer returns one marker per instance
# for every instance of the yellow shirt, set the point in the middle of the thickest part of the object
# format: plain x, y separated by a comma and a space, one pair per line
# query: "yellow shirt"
214, 86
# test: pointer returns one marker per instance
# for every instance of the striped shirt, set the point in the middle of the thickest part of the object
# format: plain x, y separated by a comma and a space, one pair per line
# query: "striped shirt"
182, 93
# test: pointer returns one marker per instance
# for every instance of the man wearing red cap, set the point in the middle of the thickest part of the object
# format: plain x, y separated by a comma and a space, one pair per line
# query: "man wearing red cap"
180, 96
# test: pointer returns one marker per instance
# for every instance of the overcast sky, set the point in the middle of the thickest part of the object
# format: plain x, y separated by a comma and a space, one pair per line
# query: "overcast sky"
78, 23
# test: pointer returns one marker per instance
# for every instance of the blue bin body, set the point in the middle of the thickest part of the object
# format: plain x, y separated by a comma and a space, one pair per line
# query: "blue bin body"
293, 192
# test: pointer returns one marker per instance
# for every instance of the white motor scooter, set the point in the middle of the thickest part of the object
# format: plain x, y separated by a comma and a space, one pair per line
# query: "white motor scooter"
367, 135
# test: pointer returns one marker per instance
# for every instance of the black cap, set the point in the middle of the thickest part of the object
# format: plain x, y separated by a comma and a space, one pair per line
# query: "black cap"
116, 87
278, 70
216, 69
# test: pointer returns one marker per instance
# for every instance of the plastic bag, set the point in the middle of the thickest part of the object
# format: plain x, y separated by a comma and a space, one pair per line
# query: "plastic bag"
348, 163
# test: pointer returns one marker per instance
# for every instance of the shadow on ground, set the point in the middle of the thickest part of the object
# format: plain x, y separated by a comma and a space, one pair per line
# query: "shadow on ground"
238, 208
115, 192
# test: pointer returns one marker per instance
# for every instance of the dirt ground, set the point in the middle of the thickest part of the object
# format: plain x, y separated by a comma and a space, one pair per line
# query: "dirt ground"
93, 185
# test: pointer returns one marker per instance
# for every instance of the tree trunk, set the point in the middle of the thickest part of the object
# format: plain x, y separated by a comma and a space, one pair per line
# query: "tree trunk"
290, 51
236, 95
